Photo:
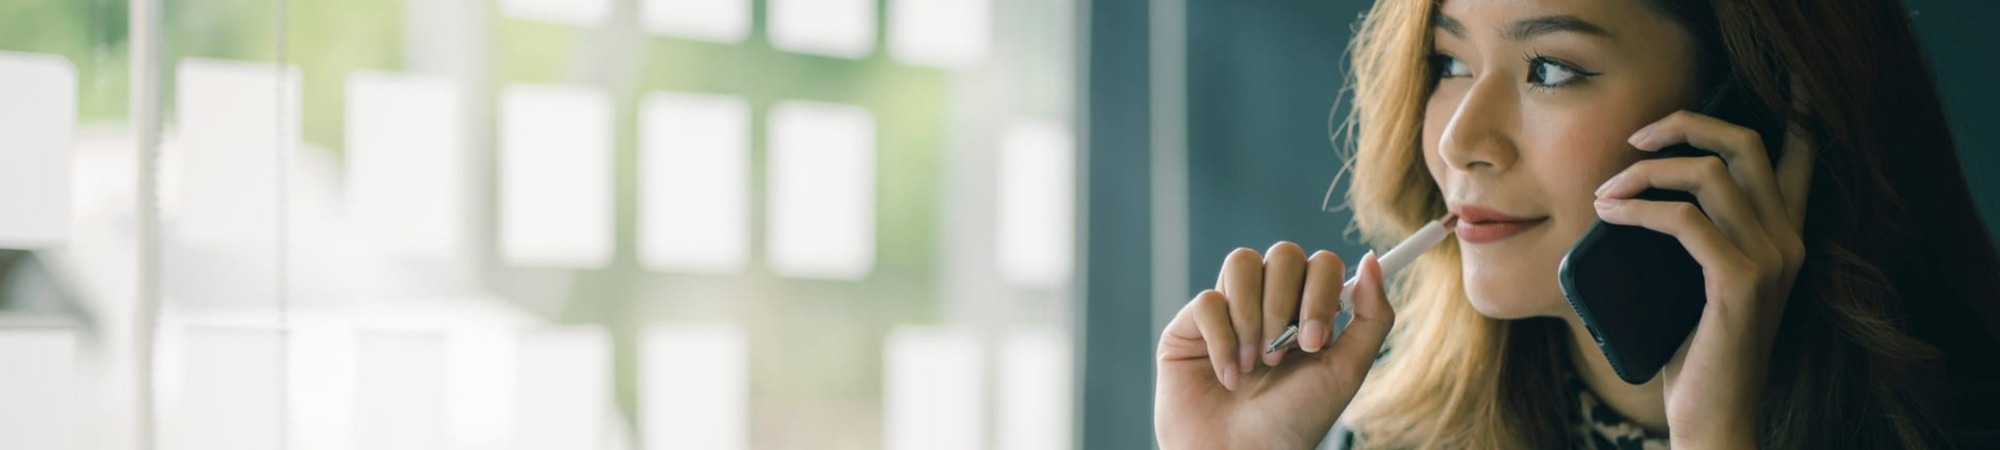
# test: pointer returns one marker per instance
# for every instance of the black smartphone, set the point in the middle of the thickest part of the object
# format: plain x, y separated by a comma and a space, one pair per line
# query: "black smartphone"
1638, 291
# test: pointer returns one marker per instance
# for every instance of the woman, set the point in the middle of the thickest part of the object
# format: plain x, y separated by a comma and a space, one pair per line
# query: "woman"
1849, 283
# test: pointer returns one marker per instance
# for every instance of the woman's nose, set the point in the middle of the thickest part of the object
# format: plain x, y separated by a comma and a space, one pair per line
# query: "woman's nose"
1479, 136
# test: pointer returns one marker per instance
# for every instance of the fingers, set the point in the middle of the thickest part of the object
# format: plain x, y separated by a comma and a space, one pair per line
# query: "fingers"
1243, 283
1210, 310
1321, 300
1742, 148
1284, 275
1683, 221
1706, 178
1372, 319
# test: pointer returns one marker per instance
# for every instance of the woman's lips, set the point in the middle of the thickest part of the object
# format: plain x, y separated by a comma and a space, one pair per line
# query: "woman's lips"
1477, 225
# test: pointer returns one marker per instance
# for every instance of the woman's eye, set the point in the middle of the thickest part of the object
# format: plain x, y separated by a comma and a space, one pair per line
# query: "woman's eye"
1449, 67
1545, 72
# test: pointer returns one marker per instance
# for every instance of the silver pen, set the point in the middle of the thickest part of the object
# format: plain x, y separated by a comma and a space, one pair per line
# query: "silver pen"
1392, 262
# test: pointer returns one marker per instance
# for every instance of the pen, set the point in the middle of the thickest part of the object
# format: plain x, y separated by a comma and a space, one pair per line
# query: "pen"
1392, 262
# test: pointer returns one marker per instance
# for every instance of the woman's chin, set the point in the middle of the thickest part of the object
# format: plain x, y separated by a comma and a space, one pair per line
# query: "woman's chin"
1503, 289
1506, 308
1511, 300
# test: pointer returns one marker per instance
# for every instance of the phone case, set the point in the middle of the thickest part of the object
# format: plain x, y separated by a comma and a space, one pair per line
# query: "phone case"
1639, 300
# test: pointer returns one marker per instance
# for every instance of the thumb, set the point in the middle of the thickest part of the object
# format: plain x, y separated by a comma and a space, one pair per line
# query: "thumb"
1355, 351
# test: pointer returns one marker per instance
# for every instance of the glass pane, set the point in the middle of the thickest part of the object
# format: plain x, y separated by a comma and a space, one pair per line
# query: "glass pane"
538, 224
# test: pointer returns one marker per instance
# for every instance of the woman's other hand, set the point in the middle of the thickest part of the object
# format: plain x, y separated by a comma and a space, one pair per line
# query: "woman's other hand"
1217, 387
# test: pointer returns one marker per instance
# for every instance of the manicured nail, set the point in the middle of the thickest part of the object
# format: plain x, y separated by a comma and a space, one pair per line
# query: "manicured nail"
1605, 203
1312, 335
1640, 137
1245, 359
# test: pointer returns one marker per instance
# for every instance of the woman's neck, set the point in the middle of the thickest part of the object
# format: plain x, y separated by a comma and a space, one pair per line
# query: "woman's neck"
1644, 404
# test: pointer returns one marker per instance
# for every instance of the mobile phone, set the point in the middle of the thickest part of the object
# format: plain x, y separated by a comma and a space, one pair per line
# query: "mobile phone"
1638, 291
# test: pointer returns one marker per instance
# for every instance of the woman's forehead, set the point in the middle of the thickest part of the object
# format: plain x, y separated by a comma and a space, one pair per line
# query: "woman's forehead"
1494, 14
1626, 25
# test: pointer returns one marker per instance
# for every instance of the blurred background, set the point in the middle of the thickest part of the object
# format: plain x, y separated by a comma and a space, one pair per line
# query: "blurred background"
659, 224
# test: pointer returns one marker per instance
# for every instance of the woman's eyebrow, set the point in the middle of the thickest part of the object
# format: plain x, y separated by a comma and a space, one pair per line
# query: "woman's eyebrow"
1526, 29
1449, 25
1529, 28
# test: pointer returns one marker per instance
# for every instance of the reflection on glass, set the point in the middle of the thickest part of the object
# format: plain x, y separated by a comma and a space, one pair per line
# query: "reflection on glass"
951, 34
719, 21
555, 166
38, 397
225, 191
37, 120
229, 391
1034, 392
822, 180
695, 390
399, 395
694, 195
568, 12
560, 205
839, 28
1037, 204
405, 160
934, 380
562, 389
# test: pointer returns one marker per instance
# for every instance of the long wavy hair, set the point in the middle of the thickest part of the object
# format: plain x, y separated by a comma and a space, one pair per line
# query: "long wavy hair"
1892, 238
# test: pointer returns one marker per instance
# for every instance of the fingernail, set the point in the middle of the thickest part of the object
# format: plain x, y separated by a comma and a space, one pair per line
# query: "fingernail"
1229, 379
1273, 358
1607, 185
1605, 203
1640, 137
1312, 335
1245, 357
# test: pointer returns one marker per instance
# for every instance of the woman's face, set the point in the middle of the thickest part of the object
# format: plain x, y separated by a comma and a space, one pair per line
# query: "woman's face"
1531, 112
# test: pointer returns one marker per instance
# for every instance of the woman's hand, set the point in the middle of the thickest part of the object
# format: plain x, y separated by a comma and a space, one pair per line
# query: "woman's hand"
1746, 238
1218, 389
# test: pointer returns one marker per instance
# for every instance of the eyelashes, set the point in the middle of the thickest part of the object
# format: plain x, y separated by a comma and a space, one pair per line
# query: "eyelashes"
1445, 66
1546, 72
1543, 72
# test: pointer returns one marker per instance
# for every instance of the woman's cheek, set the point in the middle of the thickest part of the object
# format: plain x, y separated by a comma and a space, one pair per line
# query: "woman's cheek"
1435, 118
1584, 152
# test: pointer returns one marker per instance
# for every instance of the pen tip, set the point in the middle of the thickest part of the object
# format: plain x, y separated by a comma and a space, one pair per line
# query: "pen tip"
1284, 338
1450, 220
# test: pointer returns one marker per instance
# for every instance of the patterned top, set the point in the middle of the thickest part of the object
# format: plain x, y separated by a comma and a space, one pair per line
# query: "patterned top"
1597, 427
1604, 428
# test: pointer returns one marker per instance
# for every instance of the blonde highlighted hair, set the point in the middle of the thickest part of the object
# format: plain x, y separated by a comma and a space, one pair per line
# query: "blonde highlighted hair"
1450, 396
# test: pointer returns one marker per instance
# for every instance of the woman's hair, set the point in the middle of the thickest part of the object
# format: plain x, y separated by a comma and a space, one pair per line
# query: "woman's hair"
1893, 242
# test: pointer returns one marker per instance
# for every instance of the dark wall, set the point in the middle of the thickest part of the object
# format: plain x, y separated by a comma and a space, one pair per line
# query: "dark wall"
1263, 77
1114, 405
1959, 38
